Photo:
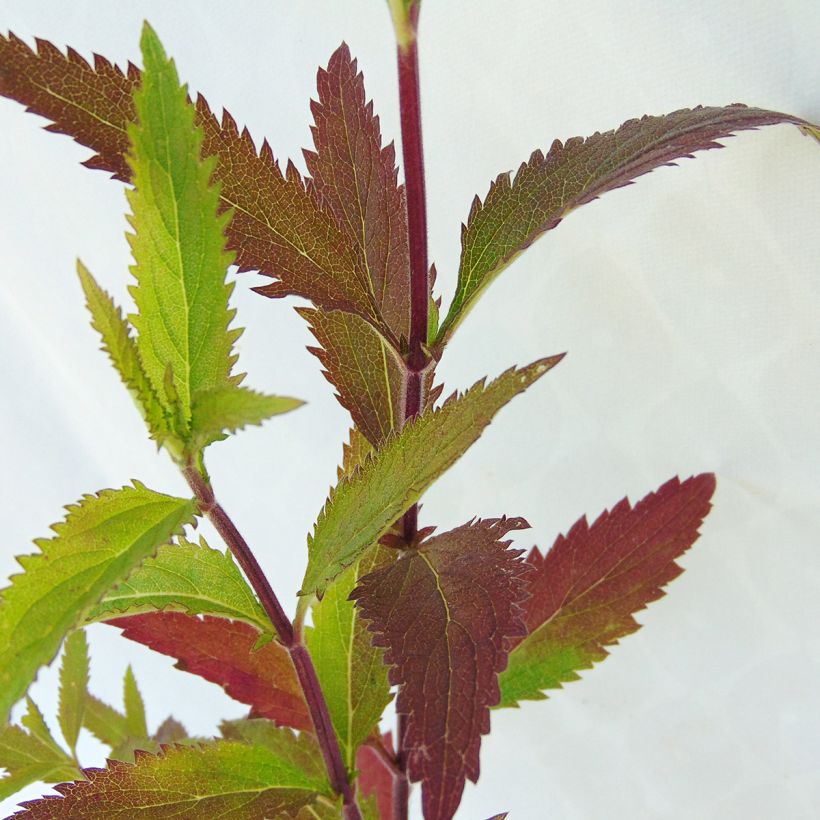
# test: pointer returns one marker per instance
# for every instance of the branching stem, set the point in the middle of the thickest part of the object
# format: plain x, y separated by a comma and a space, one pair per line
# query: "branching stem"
291, 640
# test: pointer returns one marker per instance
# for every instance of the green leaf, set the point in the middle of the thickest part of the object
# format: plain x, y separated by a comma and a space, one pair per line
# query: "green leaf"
351, 670
178, 244
34, 721
108, 321
73, 686
105, 722
31, 756
242, 781
548, 187
230, 408
135, 721
185, 577
364, 505
103, 538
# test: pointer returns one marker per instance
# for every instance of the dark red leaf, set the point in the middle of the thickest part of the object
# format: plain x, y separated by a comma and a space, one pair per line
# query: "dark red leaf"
356, 179
221, 651
446, 614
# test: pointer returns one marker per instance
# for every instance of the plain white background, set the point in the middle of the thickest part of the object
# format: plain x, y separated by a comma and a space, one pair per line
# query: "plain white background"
689, 304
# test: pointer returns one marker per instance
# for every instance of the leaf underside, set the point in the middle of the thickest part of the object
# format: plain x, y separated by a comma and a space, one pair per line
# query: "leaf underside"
446, 615
363, 506
103, 538
586, 589
516, 211
224, 779
222, 651
185, 577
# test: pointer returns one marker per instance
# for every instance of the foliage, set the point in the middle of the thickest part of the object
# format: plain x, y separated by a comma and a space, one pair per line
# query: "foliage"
451, 625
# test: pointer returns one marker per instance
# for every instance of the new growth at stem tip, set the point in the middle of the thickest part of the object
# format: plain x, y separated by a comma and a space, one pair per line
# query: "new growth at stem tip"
405, 20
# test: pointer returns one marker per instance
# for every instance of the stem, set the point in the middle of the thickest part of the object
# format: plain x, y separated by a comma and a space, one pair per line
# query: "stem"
413, 155
305, 670
401, 784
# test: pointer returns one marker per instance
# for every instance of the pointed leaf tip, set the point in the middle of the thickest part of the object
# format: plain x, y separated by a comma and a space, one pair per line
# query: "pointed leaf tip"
517, 211
587, 588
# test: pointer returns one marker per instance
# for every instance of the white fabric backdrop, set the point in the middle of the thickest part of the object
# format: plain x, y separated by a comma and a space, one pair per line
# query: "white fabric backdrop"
688, 304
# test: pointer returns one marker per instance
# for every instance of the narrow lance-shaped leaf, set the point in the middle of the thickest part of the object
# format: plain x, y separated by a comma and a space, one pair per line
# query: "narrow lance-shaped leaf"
185, 577
229, 409
73, 686
184, 342
224, 652
134, 706
31, 756
278, 228
517, 211
363, 506
115, 332
351, 670
102, 539
586, 589
178, 245
221, 779
356, 179
446, 614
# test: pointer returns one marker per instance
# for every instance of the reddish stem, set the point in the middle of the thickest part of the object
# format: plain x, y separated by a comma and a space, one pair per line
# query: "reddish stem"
413, 154
305, 670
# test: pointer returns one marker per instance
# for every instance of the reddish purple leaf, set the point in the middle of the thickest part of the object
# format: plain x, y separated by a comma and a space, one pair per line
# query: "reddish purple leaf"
356, 179
517, 211
367, 372
585, 590
375, 778
446, 614
221, 651
277, 228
